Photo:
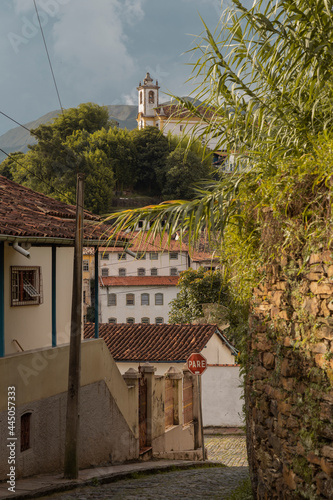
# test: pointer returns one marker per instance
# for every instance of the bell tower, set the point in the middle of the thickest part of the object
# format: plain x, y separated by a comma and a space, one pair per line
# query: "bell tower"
148, 100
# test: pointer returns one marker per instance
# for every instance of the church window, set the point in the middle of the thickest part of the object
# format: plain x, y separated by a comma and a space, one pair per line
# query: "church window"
141, 97
151, 97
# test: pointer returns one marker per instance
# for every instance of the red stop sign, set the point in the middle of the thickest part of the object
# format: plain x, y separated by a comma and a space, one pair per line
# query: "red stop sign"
197, 363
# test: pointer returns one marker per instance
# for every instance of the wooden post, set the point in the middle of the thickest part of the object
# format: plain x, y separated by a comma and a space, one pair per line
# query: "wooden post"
200, 415
72, 418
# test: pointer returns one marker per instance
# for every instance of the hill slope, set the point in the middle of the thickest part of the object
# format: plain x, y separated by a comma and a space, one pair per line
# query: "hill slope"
17, 139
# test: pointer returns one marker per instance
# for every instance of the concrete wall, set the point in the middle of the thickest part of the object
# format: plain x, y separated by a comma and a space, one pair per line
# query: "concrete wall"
108, 409
30, 325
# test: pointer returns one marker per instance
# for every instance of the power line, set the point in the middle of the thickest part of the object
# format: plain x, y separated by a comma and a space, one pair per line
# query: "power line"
38, 177
48, 56
15, 121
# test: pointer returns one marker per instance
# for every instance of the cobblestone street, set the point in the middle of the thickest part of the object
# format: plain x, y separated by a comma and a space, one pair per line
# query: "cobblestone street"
198, 483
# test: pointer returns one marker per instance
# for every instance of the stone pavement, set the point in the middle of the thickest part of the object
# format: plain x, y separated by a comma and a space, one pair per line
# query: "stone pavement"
180, 482
230, 450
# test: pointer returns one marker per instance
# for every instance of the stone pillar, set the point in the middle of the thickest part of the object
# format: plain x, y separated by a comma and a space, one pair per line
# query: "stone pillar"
131, 378
148, 372
177, 379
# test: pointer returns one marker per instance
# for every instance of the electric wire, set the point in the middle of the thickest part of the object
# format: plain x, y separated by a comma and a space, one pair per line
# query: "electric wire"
9, 155
48, 56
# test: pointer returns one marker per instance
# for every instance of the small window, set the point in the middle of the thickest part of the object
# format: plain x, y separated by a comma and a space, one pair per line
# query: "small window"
104, 256
122, 256
26, 286
153, 255
153, 271
140, 255
159, 321
173, 271
130, 320
112, 299
140, 224
181, 128
112, 321
141, 271
141, 97
84, 296
105, 271
173, 255
145, 299
25, 431
130, 299
85, 265
122, 271
145, 320
158, 299
151, 97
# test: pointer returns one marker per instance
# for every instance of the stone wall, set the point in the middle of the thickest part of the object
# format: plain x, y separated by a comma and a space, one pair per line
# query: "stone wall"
289, 394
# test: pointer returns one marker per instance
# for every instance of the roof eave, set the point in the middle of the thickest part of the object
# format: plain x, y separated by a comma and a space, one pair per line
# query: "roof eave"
38, 240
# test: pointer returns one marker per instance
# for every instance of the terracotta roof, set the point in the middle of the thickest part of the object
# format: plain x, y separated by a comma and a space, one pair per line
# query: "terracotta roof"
156, 244
29, 214
142, 342
138, 280
178, 111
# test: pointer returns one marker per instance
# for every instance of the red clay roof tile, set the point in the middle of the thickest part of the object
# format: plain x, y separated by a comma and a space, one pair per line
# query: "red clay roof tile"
139, 280
143, 342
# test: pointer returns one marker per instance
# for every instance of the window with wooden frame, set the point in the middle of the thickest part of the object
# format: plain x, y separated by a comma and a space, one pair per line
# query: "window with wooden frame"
159, 321
145, 299
130, 299
26, 431
153, 255
141, 271
173, 255
112, 299
122, 271
85, 265
145, 320
104, 256
158, 299
113, 321
153, 271
122, 256
26, 286
140, 255
130, 320
105, 272
173, 271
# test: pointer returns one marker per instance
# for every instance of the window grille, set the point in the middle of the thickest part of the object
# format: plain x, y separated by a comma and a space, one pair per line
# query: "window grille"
26, 286
130, 320
113, 320
112, 299
105, 271
153, 271
130, 300
104, 256
159, 321
173, 255
158, 299
86, 265
173, 271
25, 431
145, 299
153, 255
141, 255
122, 256
141, 271
122, 271
145, 320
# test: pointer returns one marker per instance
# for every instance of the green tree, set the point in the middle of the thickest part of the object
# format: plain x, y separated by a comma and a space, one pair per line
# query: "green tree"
182, 170
152, 149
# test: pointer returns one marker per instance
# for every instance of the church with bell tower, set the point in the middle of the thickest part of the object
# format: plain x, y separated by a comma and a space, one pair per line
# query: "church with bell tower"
148, 101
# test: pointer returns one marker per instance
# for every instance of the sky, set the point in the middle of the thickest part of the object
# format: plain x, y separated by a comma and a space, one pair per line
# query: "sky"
99, 49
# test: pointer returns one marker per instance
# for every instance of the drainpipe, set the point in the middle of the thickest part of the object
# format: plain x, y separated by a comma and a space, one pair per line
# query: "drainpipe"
21, 250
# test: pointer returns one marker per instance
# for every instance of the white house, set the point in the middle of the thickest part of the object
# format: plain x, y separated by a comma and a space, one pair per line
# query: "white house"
36, 267
137, 285
165, 346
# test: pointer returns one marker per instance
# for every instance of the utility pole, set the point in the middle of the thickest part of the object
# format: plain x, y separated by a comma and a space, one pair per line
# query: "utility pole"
72, 418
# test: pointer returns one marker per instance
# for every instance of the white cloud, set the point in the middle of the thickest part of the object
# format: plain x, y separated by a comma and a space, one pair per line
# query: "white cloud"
89, 38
